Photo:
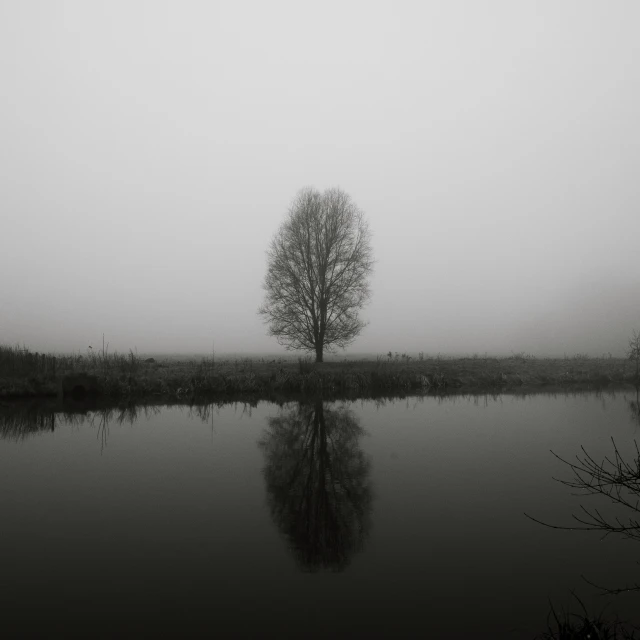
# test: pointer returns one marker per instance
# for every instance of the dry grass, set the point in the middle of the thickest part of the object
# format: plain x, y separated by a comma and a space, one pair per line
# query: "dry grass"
23, 374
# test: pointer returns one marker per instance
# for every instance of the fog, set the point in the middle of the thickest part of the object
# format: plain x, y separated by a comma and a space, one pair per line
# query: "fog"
150, 151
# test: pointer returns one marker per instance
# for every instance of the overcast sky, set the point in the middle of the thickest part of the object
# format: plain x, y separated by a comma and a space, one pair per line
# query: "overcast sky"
150, 150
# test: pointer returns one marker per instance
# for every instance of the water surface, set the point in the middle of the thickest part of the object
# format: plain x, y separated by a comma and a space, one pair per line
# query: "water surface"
313, 518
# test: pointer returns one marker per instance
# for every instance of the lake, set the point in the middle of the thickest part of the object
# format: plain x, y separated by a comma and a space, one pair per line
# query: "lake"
320, 518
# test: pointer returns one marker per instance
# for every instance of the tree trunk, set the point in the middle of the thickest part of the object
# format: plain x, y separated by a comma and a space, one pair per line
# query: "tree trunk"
319, 353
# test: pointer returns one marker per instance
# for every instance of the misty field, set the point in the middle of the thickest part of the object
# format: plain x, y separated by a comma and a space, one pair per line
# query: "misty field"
129, 377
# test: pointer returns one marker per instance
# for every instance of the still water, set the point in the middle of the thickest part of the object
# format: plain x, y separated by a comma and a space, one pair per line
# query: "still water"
308, 519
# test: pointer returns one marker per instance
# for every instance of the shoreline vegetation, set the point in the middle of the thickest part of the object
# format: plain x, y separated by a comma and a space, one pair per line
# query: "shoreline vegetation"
118, 377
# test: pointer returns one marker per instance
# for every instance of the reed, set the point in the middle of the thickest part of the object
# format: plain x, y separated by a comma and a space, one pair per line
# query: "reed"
567, 625
128, 376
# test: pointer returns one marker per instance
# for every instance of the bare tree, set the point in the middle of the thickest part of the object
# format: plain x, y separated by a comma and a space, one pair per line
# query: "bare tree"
618, 482
318, 267
612, 478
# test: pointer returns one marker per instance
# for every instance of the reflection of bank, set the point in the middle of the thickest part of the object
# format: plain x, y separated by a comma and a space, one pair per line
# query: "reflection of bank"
318, 483
634, 407
21, 420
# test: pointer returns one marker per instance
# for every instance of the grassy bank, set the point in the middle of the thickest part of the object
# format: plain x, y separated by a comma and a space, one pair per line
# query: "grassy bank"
119, 376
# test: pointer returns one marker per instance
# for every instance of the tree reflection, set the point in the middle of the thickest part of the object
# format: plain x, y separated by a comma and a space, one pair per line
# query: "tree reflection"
318, 485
